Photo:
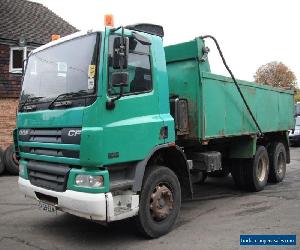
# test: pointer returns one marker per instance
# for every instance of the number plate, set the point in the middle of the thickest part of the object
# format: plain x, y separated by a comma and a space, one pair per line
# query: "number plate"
47, 207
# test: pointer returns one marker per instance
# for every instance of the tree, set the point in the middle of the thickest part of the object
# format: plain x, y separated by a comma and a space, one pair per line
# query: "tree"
275, 74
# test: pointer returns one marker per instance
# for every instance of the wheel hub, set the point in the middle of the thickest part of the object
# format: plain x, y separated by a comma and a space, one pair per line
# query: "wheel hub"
262, 170
161, 202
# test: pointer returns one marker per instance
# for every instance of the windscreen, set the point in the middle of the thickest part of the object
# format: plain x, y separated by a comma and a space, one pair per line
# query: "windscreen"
66, 67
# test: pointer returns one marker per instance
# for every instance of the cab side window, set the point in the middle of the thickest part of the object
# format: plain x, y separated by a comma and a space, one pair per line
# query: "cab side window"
139, 68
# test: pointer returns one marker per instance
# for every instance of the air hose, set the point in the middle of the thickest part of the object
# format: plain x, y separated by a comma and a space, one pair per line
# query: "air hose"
260, 134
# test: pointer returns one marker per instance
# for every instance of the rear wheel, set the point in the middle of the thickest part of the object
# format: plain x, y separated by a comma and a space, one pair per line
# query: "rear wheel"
257, 170
2, 167
160, 201
238, 172
277, 155
10, 160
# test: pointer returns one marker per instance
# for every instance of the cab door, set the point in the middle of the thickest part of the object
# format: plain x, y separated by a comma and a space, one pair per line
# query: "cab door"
132, 128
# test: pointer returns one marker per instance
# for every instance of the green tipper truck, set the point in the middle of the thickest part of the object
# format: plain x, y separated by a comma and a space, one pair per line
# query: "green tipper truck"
113, 125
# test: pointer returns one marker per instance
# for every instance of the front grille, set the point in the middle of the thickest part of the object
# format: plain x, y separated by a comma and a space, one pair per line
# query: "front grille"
51, 152
41, 135
48, 175
35, 136
51, 135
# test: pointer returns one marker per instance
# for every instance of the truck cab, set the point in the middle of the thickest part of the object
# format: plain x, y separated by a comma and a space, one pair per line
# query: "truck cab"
72, 146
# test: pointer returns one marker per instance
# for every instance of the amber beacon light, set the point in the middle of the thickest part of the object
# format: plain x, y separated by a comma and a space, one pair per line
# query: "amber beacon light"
109, 20
55, 37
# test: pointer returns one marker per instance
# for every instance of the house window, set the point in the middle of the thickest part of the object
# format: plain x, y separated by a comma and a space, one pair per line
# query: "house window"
17, 55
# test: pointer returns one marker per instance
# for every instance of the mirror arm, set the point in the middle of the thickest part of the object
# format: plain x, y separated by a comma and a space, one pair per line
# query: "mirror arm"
110, 104
122, 50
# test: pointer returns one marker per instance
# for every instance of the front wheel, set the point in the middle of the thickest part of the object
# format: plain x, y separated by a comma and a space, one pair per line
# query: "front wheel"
160, 201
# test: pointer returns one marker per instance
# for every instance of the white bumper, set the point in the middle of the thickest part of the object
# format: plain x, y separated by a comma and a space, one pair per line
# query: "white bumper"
98, 206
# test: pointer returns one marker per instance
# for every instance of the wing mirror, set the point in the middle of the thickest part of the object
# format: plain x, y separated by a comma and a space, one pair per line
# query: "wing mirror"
120, 52
119, 79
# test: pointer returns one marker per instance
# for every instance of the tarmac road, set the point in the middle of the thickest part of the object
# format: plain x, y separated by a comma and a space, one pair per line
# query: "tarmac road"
214, 220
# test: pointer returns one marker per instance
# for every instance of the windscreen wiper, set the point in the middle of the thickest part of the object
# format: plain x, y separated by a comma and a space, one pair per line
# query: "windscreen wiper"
63, 97
29, 98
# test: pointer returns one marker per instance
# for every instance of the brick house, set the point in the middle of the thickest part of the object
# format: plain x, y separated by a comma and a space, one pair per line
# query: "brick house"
24, 25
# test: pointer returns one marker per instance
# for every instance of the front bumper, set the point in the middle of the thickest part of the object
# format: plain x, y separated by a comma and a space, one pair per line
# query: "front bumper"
102, 207
86, 205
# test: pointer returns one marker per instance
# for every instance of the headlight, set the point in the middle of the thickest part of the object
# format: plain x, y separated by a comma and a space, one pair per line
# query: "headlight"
89, 180
21, 169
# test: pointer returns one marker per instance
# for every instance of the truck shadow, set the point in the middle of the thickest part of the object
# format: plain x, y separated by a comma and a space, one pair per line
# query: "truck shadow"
215, 188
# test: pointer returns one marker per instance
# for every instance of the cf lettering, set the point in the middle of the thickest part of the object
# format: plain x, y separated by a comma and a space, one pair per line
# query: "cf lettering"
74, 132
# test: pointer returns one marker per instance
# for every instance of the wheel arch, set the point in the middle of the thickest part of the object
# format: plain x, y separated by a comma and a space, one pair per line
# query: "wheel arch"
171, 156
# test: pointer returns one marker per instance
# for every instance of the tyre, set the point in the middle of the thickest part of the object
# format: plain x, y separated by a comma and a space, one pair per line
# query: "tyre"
160, 201
277, 156
10, 161
257, 170
2, 167
238, 173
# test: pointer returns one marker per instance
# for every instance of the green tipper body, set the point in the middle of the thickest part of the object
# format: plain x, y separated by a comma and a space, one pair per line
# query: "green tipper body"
215, 107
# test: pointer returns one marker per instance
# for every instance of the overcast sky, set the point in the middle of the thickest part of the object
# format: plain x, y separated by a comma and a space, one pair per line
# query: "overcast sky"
251, 32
